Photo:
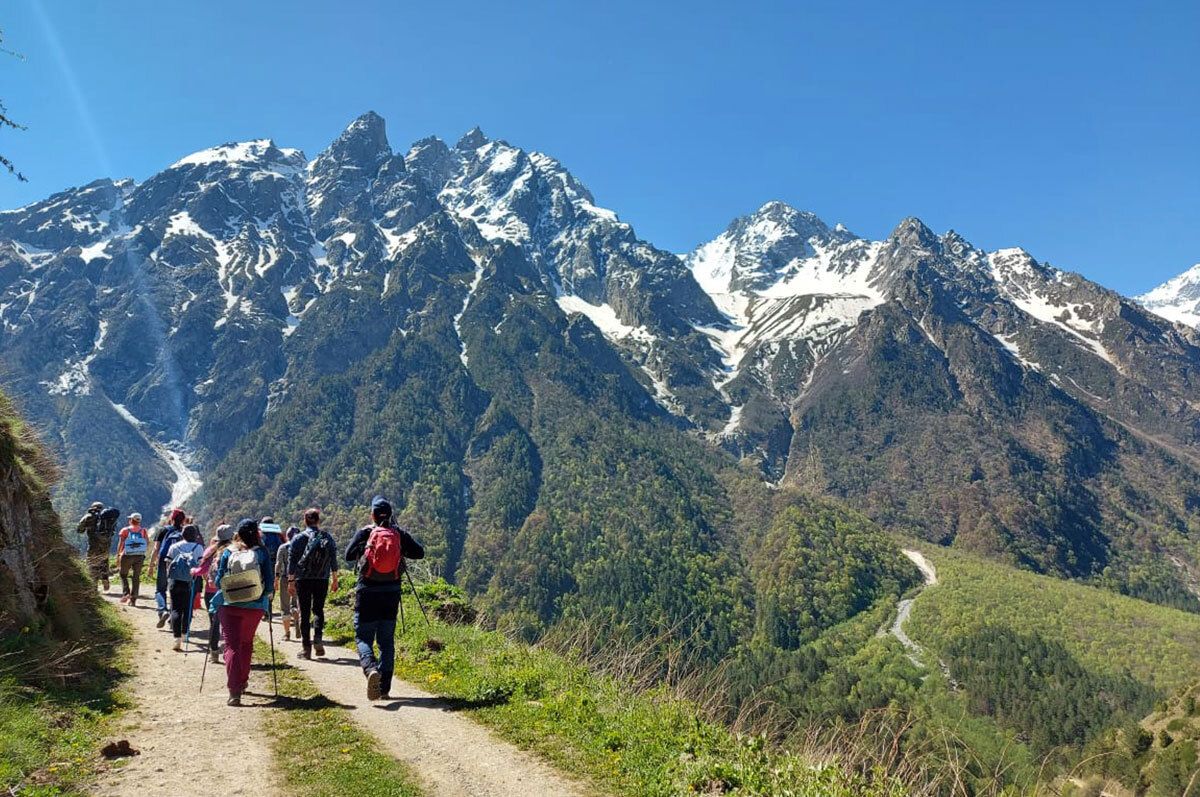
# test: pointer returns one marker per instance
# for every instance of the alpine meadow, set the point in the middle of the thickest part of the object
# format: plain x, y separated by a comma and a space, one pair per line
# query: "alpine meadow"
794, 512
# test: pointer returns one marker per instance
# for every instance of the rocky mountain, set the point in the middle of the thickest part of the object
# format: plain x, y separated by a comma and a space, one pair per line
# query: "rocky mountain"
1177, 299
464, 328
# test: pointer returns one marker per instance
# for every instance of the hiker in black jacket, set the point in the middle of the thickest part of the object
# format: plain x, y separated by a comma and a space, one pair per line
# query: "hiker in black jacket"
312, 561
382, 549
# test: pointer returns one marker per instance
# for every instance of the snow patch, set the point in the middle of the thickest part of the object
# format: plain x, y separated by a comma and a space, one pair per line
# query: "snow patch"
1017, 274
462, 354
94, 251
175, 454
605, 318
75, 380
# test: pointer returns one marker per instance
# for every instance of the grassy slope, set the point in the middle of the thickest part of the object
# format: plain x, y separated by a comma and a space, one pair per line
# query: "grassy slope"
595, 727
1108, 633
60, 668
54, 714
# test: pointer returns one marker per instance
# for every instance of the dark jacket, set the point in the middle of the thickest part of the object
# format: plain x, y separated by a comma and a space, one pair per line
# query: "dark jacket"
409, 547
299, 545
99, 530
164, 538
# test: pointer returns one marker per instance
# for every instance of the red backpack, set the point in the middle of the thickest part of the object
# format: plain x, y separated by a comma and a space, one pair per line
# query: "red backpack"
383, 560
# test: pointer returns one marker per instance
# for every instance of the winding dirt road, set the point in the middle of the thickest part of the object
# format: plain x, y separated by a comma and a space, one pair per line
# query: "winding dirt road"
904, 608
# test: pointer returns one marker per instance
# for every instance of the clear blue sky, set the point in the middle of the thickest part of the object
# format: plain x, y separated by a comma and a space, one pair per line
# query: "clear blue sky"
1072, 129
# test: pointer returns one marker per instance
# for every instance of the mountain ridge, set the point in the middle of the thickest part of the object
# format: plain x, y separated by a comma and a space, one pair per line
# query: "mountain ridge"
173, 319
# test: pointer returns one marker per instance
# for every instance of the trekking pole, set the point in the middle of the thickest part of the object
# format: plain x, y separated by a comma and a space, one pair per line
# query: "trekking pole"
203, 670
271, 636
420, 605
187, 627
403, 630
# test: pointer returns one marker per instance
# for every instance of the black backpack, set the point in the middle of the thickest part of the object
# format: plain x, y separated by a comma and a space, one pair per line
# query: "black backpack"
319, 552
106, 524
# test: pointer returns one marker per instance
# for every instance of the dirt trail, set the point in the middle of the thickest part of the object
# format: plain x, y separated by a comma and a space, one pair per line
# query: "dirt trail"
450, 753
904, 608
184, 736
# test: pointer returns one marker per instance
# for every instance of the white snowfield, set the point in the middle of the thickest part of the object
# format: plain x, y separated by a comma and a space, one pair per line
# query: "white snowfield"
1177, 299
174, 454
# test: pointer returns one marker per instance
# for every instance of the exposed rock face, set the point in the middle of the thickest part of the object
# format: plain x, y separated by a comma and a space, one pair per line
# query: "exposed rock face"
34, 562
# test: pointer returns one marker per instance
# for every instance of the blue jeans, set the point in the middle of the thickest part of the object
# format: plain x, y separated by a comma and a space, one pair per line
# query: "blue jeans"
160, 587
368, 632
375, 623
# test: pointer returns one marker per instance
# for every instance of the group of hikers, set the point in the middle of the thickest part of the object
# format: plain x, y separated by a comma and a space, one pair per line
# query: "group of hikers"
237, 573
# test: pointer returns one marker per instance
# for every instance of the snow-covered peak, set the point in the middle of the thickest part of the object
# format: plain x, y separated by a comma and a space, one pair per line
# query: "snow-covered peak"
362, 146
526, 198
243, 152
782, 274
1177, 299
762, 249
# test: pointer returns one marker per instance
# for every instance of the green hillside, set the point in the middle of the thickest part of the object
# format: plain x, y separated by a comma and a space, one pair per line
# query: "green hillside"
1107, 633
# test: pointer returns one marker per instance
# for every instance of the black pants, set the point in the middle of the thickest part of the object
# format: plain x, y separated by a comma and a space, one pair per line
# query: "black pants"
182, 593
310, 593
214, 622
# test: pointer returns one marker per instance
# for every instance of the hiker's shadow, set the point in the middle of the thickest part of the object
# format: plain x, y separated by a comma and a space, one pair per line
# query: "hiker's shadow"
440, 703
341, 661
287, 703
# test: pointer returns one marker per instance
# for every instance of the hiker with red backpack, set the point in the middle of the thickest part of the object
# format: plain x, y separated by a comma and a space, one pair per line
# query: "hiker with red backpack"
312, 562
132, 544
244, 591
380, 551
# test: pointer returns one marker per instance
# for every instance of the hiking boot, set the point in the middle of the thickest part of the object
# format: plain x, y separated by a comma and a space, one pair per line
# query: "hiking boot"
124, 600
178, 645
373, 679
234, 700
214, 656
319, 649
132, 601
306, 654
105, 583
162, 620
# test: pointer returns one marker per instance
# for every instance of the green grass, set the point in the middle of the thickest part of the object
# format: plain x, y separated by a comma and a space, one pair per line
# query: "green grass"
595, 728
53, 718
319, 750
1108, 633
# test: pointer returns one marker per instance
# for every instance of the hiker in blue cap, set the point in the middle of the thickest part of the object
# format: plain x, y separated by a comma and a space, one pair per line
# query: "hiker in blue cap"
380, 550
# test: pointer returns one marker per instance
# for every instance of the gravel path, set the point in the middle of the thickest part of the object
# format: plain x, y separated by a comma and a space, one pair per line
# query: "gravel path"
450, 753
186, 738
